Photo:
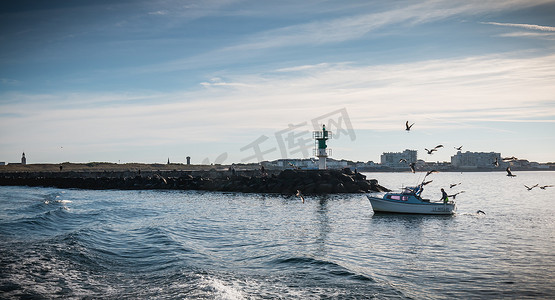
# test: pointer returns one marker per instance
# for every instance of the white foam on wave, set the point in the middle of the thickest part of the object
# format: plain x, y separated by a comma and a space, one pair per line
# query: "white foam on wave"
41, 274
64, 201
221, 289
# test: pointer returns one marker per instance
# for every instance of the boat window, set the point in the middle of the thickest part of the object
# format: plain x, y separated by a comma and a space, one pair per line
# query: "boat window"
395, 197
405, 198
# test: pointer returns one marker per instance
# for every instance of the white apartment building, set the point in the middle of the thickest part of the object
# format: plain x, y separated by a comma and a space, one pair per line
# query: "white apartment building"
474, 160
392, 159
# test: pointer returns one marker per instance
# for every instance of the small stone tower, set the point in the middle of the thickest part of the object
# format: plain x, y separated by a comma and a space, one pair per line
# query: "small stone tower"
23, 159
188, 160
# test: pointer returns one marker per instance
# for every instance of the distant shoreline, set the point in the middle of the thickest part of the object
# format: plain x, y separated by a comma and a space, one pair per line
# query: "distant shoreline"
178, 167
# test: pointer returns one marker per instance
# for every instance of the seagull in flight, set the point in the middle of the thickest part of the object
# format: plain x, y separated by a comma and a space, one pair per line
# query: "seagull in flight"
531, 187
411, 165
429, 173
407, 126
510, 158
458, 148
430, 151
509, 173
455, 194
544, 186
433, 149
427, 182
453, 185
496, 162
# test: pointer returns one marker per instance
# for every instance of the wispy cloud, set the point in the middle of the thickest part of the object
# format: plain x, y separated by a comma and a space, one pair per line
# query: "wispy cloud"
329, 30
441, 94
303, 68
217, 82
356, 26
158, 12
460, 89
545, 35
524, 26
9, 82
230, 105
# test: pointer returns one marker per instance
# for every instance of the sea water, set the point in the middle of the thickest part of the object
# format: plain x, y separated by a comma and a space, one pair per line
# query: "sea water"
70, 243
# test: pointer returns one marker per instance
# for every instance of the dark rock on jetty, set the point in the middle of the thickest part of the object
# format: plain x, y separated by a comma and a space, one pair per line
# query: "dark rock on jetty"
285, 182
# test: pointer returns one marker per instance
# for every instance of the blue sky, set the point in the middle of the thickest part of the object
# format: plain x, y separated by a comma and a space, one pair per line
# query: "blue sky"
144, 81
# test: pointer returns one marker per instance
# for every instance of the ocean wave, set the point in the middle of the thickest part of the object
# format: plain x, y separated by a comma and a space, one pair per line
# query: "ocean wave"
330, 268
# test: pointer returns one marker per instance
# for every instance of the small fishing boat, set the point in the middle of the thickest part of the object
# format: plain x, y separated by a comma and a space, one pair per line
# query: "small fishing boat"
409, 201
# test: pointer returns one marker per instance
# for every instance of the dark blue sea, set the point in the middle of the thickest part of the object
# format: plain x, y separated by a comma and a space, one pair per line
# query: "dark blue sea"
110, 244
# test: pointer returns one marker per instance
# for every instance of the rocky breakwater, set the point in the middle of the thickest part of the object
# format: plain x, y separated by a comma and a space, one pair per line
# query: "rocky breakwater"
285, 182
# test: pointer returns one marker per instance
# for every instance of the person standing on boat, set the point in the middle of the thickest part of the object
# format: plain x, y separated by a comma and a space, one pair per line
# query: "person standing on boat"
444, 196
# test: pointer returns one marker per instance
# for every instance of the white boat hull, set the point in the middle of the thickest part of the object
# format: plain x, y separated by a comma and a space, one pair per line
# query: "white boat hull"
382, 205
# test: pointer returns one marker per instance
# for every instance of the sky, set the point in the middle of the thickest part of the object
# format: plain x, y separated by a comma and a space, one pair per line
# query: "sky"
225, 81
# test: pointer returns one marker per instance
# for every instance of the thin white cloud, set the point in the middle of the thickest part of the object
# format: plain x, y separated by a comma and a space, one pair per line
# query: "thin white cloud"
218, 82
524, 26
336, 30
458, 90
544, 35
303, 68
158, 12
9, 82
355, 26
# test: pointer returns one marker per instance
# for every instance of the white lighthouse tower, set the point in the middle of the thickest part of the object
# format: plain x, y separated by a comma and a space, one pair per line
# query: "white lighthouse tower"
321, 149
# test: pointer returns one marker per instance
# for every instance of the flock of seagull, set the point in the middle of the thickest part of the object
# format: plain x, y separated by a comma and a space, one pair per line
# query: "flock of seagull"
543, 187
431, 151
495, 163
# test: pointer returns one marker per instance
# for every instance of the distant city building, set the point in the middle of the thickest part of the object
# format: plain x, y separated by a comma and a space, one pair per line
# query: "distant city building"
523, 163
2, 163
337, 164
477, 160
23, 159
306, 164
393, 159
293, 163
